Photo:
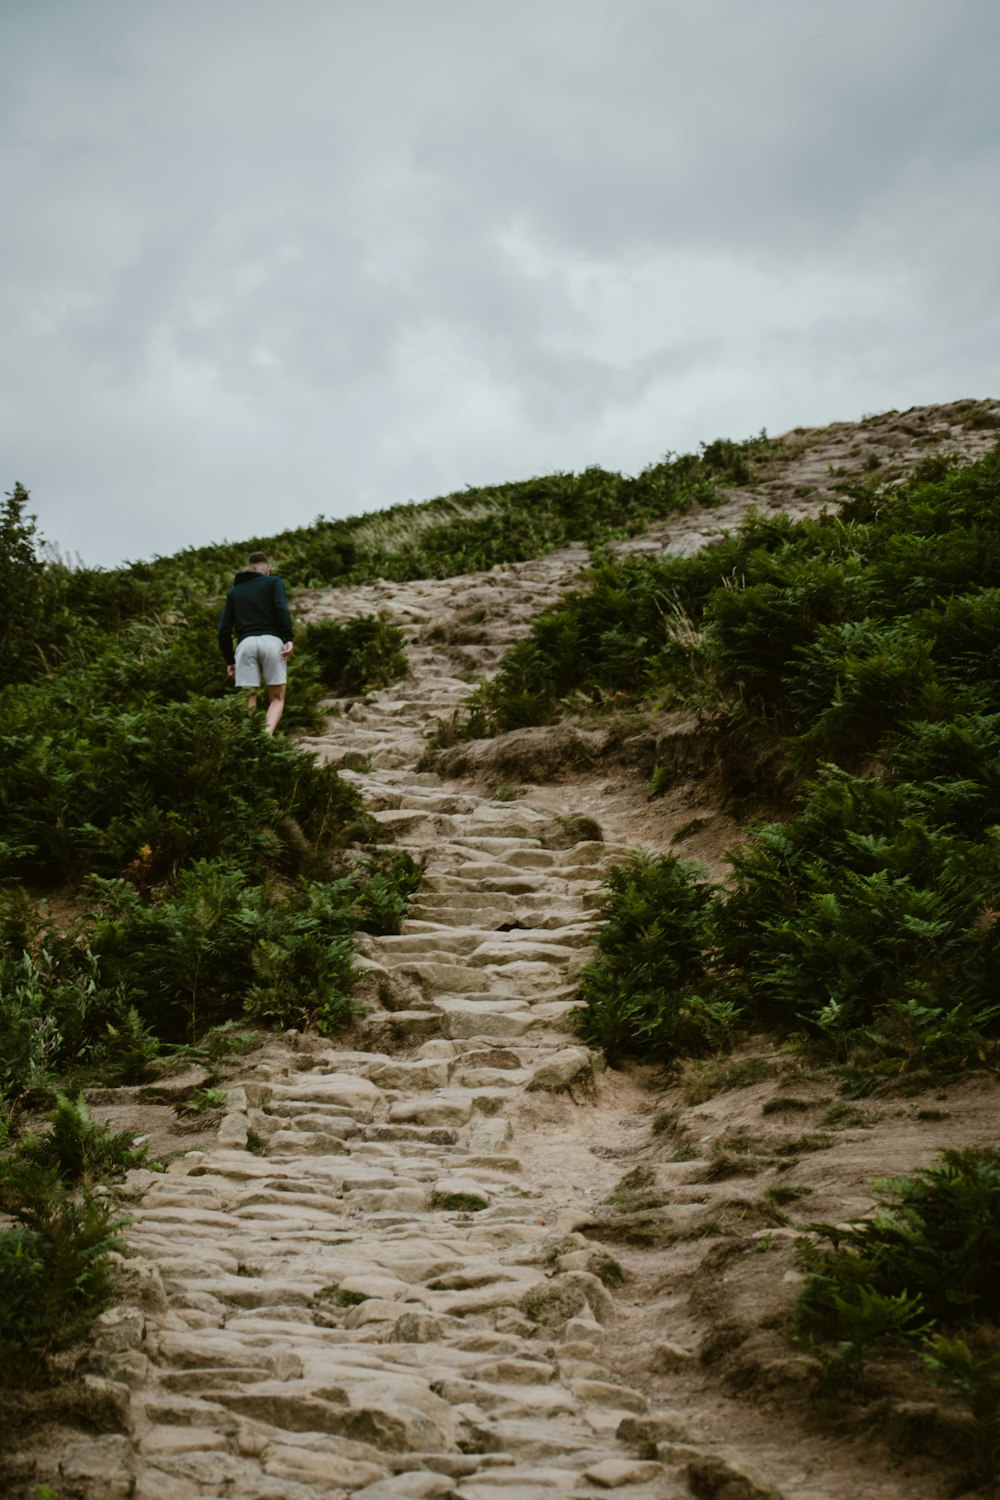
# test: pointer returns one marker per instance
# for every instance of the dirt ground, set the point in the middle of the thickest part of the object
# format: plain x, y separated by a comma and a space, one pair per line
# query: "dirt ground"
710, 1274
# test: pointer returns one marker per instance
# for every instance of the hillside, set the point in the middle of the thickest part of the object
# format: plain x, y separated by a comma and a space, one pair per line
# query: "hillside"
437, 1246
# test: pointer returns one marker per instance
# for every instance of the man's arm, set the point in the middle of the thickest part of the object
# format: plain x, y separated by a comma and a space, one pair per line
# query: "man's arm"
282, 614
225, 634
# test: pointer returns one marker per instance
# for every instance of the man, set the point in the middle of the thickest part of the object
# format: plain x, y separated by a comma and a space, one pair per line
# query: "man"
257, 610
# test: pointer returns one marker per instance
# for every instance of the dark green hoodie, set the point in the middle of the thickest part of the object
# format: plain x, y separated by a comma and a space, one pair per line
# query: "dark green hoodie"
255, 605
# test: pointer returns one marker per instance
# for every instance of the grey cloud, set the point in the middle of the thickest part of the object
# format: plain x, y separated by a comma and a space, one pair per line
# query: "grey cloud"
270, 261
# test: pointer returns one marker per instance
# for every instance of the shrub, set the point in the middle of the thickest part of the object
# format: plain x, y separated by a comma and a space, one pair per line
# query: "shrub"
975, 1375
918, 1270
936, 1239
46, 1004
649, 992
861, 918
186, 781
383, 884
58, 1274
218, 947
182, 962
56, 1260
356, 655
76, 1148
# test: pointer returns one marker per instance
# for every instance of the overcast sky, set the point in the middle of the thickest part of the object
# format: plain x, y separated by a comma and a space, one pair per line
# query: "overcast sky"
265, 260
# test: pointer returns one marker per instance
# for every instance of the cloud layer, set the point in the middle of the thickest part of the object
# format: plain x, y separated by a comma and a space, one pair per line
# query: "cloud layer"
268, 262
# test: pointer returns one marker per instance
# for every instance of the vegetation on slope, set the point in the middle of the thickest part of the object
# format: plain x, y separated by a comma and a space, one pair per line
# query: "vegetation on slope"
473, 529
200, 866
862, 647
914, 1283
165, 868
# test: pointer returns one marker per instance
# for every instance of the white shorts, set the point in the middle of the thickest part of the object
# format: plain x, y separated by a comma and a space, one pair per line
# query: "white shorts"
257, 656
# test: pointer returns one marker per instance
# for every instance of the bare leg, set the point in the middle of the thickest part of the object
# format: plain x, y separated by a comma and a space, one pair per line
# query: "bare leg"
275, 707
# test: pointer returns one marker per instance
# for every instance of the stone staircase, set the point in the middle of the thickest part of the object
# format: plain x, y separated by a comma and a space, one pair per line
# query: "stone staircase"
363, 1288
371, 1283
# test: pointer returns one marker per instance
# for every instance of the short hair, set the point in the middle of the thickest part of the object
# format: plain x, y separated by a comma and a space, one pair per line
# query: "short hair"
256, 558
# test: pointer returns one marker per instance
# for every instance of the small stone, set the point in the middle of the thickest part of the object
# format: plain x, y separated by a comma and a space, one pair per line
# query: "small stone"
426, 1073
678, 1453
283, 1461
572, 1065
658, 1427
603, 1393
389, 1288
416, 1328
130, 1367
234, 1130
488, 1135
459, 1194
374, 1310
437, 1047
119, 1328
415, 1484
509, 1320
168, 1440
587, 1330
667, 1359
432, 1110
715, 1479
284, 1365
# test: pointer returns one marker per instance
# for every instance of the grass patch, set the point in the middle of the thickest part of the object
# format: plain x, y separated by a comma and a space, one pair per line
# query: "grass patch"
701, 1078
636, 1191
850, 1116
786, 1104
340, 1298
784, 1193
467, 1203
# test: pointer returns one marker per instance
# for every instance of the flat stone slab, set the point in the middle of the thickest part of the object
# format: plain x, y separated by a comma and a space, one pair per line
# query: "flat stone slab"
433, 1109
613, 1473
357, 1094
421, 1073
316, 1467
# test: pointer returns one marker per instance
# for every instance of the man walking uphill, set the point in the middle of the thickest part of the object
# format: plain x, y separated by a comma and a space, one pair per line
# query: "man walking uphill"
257, 610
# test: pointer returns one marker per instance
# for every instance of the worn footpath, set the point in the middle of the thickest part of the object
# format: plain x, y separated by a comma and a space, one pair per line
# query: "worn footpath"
371, 1282
364, 1291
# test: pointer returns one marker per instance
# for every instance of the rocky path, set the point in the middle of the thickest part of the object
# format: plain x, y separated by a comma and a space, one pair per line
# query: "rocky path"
371, 1282
368, 1288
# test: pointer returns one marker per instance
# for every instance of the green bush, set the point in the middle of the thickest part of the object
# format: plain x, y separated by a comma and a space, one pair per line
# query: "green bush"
56, 1279
47, 999
185, 781
218, 947
936, 1236
864, 920
173, 964
830, 636
649, 992
57, 1265
356, 655
865, 925
923, 1266
75, 1147
975, 1375
383, 884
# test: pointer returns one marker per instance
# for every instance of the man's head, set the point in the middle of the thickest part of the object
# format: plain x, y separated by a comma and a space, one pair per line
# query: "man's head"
257, 562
